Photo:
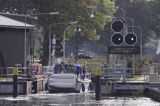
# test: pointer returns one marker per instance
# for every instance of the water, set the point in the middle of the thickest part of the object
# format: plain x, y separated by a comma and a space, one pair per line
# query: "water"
74, 99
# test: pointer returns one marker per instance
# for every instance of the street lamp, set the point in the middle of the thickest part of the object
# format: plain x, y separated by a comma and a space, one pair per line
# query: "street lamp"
29, 15
25, 30
64, 37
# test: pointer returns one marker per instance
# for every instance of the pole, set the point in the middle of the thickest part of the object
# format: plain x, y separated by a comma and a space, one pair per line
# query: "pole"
98, 84
50, 45
15, 82
64, 40
141, 42
25, 41
50, 41
107, 90
64, 49
64, 37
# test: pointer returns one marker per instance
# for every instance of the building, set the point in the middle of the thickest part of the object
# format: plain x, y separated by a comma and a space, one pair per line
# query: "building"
13, 42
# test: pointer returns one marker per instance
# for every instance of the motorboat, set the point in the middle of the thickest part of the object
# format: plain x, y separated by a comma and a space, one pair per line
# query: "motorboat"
68, 81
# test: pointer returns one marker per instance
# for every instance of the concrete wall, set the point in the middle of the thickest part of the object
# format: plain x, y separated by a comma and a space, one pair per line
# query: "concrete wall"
24, 88
12, 46
152, 93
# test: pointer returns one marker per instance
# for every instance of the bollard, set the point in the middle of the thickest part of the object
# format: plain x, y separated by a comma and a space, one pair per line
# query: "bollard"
98, 84
107, 87
15, 82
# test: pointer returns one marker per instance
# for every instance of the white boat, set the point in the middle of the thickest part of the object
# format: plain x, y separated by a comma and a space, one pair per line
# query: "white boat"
68, 82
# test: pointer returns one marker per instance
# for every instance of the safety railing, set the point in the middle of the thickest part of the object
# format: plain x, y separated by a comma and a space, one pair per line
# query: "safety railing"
47, 70
24, 73
126, 74
6, 74
88, 75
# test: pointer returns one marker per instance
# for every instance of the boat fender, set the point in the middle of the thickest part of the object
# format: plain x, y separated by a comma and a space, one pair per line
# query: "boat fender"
90, 86
83, 87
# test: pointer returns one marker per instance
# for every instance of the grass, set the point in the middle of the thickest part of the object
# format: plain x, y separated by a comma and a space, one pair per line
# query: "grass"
134, 78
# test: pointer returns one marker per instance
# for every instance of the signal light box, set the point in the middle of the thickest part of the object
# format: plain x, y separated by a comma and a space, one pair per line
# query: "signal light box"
117, 26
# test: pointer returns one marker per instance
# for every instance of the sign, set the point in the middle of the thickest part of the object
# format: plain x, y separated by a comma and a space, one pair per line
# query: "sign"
124, 50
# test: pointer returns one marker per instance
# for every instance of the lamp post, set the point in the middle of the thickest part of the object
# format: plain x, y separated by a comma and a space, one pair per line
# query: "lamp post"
64, 37
25, 29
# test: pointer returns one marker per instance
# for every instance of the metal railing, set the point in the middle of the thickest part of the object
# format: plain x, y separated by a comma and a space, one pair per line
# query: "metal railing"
148, 75
126, 74
6, 73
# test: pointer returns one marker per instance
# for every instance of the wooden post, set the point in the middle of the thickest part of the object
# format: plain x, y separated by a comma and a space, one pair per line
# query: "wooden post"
107, 87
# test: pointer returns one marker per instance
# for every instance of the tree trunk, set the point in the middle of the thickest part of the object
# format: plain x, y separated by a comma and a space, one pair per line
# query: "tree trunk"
45, 57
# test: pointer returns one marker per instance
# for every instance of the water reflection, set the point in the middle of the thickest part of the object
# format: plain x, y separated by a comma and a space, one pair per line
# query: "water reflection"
74, 99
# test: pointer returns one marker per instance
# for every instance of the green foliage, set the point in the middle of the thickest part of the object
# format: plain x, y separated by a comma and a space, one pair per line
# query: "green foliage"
140, 62
70, 10
145, 14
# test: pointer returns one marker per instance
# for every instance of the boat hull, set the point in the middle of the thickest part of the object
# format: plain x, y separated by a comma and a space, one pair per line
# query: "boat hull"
81, 87
68, 83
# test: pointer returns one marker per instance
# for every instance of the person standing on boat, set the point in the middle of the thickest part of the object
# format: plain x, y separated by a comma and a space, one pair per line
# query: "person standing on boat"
84, 68
78, 69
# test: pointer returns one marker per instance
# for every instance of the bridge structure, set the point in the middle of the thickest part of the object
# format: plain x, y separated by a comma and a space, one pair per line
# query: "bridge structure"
129, 79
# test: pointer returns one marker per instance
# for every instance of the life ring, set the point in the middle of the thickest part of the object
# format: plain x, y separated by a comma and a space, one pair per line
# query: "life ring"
90, 87
83, 87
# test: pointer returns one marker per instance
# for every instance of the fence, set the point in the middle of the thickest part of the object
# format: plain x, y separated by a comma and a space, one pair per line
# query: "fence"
6, 73
126, 74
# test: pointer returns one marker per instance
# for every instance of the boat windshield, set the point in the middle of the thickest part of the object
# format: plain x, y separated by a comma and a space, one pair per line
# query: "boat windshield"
68, 68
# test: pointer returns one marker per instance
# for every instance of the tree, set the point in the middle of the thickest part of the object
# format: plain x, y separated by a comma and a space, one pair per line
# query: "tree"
70, 10
73, 11
145, 14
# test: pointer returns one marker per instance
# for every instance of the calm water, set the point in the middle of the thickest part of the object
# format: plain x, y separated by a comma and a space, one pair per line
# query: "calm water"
73, 99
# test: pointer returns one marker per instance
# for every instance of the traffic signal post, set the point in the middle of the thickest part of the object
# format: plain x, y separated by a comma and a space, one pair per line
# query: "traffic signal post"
123, 42
56, 46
